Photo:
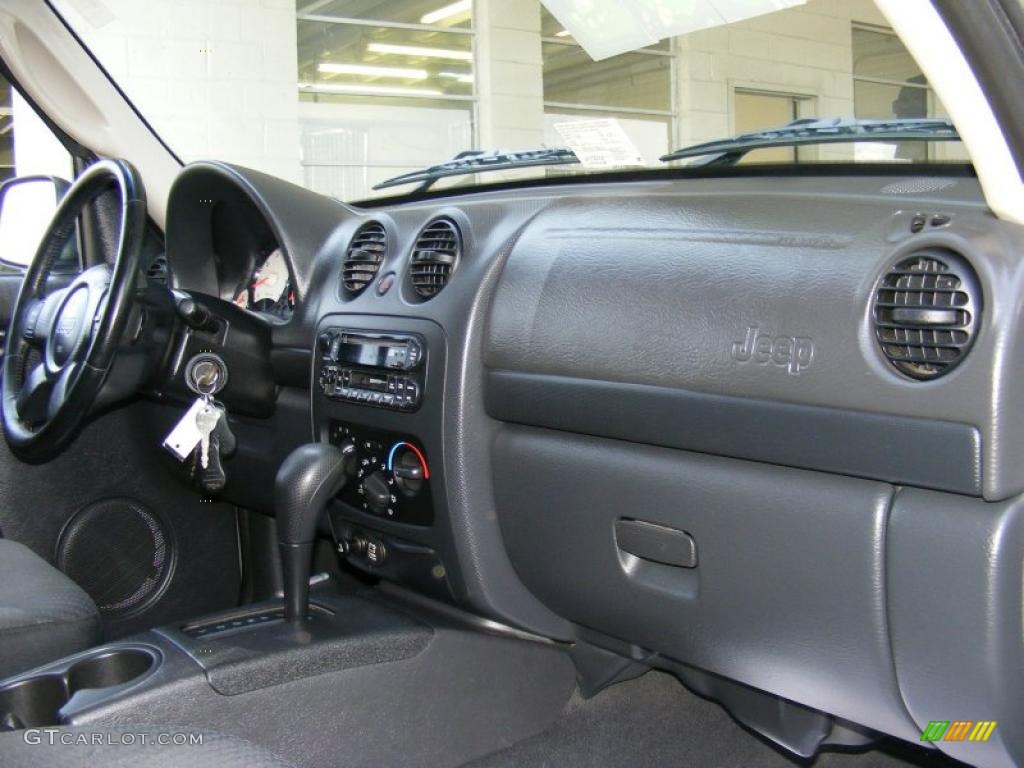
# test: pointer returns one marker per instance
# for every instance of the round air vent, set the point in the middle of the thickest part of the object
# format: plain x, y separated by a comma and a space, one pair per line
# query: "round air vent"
435, 256
926, 313
365, 254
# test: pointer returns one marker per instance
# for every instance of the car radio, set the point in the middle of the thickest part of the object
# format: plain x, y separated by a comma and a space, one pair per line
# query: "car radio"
380, 369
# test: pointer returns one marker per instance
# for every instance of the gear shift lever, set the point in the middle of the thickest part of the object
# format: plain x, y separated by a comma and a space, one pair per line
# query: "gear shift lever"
308, 479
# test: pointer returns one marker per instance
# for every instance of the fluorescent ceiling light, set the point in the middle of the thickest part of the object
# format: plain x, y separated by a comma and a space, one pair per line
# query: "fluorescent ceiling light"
420, 50
462, 6
370, 70
372, 90
563, 33
462, 78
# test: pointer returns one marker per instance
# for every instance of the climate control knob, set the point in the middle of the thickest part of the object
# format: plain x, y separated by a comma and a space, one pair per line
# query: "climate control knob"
409, 473
408, 466
376, 492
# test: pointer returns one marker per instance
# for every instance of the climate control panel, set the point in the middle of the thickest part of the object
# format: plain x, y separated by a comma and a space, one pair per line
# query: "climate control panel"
392, 478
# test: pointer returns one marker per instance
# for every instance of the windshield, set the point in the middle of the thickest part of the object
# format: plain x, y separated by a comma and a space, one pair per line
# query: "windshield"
344, 95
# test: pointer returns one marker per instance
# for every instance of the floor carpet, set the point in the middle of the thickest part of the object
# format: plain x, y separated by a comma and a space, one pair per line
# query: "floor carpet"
654, 721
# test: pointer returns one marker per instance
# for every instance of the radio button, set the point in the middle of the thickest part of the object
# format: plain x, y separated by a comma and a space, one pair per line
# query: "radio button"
413, 355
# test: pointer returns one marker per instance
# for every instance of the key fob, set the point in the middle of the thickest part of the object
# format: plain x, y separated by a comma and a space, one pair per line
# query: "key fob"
225, 437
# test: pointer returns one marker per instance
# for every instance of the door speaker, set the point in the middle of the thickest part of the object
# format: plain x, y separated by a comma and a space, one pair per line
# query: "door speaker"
121, 553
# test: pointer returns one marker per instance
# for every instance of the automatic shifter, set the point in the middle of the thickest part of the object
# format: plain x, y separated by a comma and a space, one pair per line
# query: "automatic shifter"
307, 480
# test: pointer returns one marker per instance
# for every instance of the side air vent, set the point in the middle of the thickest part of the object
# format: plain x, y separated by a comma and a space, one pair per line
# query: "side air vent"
365, 254
926, 313
435, 256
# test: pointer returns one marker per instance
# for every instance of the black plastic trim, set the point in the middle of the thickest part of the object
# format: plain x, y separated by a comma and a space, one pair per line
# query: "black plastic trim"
752, 170
989, 32
867, 445
291, 366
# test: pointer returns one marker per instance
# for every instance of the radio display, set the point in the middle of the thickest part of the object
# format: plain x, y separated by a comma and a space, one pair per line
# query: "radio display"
360, 380
372, 354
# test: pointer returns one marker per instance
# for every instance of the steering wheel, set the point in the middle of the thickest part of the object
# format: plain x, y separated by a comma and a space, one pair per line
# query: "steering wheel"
61, 344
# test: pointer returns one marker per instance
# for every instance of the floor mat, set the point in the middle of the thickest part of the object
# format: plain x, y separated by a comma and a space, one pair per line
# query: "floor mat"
655, 721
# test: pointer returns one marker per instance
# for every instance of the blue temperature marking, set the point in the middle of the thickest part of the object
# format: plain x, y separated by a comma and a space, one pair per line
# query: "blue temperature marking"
391, 453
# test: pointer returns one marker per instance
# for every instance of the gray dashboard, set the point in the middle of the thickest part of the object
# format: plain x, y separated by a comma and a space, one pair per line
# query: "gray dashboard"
598, 358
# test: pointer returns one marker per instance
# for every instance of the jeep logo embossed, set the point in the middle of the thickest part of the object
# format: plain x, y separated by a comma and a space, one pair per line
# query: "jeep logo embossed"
794, 353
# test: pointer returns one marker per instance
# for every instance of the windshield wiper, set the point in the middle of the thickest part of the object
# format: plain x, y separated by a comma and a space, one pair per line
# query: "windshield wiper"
475, 161
819, 131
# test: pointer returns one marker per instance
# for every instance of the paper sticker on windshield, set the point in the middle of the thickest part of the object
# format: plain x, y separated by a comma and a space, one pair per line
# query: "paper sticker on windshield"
607, 28
600, 143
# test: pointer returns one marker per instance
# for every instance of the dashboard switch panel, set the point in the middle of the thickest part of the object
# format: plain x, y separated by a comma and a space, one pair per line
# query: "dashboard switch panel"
392, 478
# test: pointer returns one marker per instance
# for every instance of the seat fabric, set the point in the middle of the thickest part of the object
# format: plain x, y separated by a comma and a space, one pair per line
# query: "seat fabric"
131, 747
43, 614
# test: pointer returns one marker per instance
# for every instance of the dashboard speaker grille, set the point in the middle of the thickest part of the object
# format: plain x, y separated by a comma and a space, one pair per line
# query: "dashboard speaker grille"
435, 256
365, 254
926, 313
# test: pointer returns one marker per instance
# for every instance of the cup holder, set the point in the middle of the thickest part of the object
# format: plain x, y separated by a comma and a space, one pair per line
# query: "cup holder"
32, 703
109, 668
36, 702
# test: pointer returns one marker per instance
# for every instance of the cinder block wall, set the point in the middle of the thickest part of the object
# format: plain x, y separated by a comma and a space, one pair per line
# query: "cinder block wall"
215, 78
804, 51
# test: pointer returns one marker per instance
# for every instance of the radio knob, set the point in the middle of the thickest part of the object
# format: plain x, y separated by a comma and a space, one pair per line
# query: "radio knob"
377, 493
324, 342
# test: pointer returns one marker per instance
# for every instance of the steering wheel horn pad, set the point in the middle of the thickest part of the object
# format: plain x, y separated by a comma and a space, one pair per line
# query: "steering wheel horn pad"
67, 332
76, 330
72, 324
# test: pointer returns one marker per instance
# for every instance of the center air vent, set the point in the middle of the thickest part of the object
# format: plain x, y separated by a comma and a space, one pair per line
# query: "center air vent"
365, 254
926, 313
434, 257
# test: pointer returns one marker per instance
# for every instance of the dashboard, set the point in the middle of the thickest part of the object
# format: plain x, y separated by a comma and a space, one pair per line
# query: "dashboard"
763, 430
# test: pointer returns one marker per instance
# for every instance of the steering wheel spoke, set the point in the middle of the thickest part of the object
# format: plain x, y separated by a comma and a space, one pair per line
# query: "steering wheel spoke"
34, 396
61, 386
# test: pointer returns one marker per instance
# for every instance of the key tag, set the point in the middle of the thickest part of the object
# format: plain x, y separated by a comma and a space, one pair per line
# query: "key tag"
185, 435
